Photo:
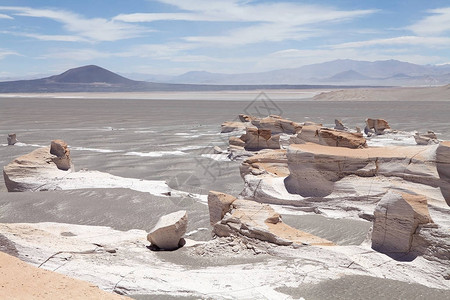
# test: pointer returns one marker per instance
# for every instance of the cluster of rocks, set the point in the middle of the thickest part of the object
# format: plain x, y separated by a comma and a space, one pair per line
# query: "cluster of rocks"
332, 170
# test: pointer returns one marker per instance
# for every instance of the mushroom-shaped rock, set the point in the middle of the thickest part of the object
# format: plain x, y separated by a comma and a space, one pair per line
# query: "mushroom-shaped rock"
397, 217
61, 151
12, 139
168, 232
218, 204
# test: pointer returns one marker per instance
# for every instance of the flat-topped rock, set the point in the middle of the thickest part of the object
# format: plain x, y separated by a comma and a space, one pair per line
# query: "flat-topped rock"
256, 139
329, 137
168, 232
397, 217
260, 221
232, 126
277, 124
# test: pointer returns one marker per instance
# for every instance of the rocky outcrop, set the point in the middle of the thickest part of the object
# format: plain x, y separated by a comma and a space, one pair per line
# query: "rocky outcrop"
330, 137
428, 138
314, 168
61, 151
168, 232
246, 118
277, 124
232, 126
397, 217
338, 125
443, 168
256, 139
377, 126
29, 172
218, 204
12, 139
258, 221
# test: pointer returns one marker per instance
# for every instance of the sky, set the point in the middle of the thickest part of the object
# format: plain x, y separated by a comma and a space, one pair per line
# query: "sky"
171, 37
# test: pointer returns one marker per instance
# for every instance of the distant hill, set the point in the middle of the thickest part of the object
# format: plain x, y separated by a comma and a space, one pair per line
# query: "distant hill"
96, 79
89, 74
348, 76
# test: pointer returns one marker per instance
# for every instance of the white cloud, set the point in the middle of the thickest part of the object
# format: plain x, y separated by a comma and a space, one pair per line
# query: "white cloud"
3, 16
273, 22
4, 53
429, 42
94, 29
76, 54
436, 24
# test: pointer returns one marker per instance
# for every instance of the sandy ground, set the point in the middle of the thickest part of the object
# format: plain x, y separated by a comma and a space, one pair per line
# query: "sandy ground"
19, 280
441, 93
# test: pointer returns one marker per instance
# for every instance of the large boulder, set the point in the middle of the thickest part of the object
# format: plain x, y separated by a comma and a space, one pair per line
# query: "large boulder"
61, 151
12, 139
397, 217
260, 221
218, 204
168, 232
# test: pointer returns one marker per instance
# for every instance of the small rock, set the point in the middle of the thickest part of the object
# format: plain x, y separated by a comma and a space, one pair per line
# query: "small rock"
168, 232
62, 152
12, 139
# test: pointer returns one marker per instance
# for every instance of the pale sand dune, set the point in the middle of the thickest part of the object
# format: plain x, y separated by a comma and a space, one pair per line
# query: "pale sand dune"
19, 280
440, 93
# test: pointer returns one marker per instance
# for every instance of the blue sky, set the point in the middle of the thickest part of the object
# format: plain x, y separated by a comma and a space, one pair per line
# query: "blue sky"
228, 36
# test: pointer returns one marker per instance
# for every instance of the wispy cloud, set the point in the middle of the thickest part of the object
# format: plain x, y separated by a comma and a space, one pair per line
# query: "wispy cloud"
436, 24
3, 16
429, 42
94, 29
4, 53
272, 22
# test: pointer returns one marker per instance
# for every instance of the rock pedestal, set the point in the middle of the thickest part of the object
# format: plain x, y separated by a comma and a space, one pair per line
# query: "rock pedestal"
378, 126
397, 217
168, 232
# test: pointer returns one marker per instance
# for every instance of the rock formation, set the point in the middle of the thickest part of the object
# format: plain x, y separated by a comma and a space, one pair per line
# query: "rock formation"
29, 172
61, 151
330, 137
426, 138
256, 139
377, 126
232, 126
277, 124
12, 139
339, 125
255, 220
168, 232
218, 204
397, 217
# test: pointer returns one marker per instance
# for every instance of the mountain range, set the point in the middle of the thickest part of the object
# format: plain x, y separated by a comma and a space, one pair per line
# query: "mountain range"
337, 72
342, 73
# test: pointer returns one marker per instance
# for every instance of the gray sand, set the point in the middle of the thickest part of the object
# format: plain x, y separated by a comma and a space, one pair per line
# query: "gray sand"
364, 287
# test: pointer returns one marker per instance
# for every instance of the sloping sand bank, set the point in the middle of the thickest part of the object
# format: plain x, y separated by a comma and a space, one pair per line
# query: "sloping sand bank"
19, 280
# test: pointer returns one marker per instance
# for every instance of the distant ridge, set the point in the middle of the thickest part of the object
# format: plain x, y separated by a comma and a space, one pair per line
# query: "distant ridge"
93, 78
89, 74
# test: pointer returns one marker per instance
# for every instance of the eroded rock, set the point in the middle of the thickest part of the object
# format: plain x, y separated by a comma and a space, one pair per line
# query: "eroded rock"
377, 126
218, 204
168, 232
397, 217
330, 137
428, 138
61, 151
260, 221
